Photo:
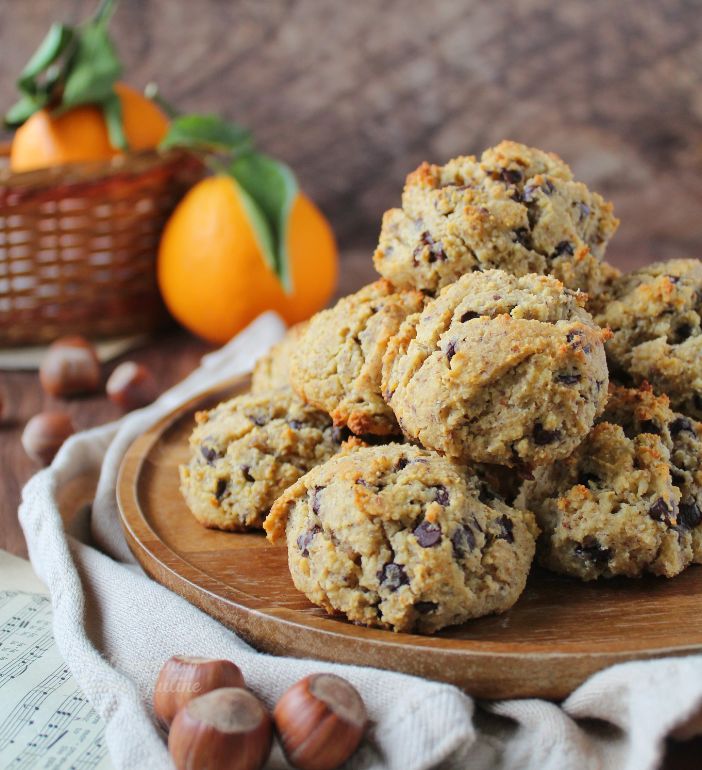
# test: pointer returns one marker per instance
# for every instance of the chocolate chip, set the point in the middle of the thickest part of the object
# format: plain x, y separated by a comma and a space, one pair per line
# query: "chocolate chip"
575, 339
209, 454
510, 176
393, 576
673, 278
221, 488
548, 187
543, 437
506, 525
295, 424
314, 499
683, 332
681, 424
697, 400
568, 379
584, 210
660, 511
689, 515
401, 464
428, 535
592, 550
451, 350
304, 540
436, 251
441, 495
564, 247
257, 419
463, 541
469, 315
425, 607
246, 472
523, 236
649, 426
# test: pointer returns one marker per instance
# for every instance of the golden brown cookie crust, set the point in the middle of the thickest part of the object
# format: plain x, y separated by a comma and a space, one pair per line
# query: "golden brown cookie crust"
498, 369
336, 366
516, 208
399, 537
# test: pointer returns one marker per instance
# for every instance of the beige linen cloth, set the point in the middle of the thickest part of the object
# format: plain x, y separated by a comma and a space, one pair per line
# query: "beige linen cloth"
115, 626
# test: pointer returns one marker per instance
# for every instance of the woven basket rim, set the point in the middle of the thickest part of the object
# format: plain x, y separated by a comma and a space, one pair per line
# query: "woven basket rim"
127, 164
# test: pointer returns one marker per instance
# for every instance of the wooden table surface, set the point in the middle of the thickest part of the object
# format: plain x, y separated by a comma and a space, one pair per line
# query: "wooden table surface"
171, 357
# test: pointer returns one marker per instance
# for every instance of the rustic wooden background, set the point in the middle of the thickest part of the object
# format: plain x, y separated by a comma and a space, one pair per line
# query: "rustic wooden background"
355, 94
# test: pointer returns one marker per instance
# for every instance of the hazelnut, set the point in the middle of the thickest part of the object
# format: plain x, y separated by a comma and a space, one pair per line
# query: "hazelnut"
320, 722
44, 434
70, 367
226, 729
131, 386
183, 678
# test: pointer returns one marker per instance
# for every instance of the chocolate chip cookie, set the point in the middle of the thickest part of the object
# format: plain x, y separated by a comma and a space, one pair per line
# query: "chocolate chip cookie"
655, 316
627, 500
516, 208
272, 371
399, 537
498, 369
336, 364
246, 451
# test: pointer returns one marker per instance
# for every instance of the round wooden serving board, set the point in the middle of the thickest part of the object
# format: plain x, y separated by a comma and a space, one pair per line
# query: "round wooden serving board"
559, 633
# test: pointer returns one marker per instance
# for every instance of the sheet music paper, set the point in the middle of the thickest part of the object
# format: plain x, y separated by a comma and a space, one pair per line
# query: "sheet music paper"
45, 720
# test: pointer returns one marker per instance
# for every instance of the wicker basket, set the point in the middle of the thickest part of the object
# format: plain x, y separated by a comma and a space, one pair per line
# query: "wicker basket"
78, 246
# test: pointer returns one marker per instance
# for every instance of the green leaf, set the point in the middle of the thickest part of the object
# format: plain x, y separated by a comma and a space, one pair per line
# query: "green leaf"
209, 133
24, 109
112, 112
273, 187
94, 69
57, 40
262, 229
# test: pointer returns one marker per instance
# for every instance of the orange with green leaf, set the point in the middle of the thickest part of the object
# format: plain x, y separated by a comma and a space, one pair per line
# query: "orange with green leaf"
73, 107
243, 241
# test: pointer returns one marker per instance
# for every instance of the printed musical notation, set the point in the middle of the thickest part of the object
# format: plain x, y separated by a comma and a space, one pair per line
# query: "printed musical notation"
45, 720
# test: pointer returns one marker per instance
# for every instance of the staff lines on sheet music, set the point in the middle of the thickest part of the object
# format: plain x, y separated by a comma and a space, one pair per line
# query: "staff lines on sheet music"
74, 710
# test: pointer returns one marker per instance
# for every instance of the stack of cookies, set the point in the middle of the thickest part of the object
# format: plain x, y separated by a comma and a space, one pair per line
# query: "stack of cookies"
418, 443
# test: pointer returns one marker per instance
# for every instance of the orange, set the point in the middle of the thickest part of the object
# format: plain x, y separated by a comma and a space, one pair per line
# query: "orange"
81, 134
213, 276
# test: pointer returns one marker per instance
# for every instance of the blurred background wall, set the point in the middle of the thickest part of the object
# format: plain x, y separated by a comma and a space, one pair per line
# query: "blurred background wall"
355, 94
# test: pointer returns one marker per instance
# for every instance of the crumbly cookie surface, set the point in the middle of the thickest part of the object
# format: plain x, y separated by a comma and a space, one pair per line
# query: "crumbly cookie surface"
627, 500
655, 315
399, 537
272, 371
516, 208
498, 369
336, 365
247, 451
